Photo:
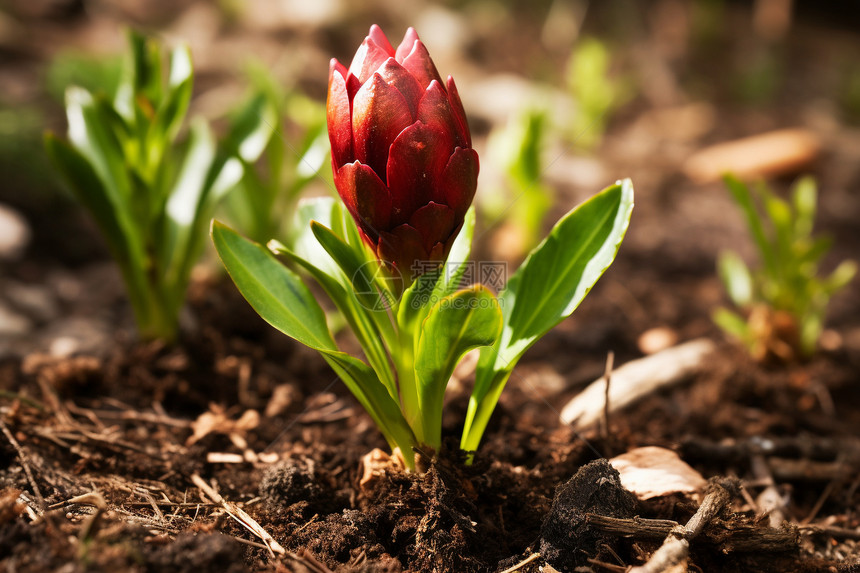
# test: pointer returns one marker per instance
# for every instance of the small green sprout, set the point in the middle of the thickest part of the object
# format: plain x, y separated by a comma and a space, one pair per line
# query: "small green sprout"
784, 302
270, 189
518, 147
152, 198
595, 91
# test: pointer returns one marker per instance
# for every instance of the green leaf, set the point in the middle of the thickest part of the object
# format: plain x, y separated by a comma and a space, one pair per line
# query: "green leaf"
89, 133
782, 222
120, 233
276, 293
456, 324
339, 290
372, 395
281, 299
316, 149
736, 278
252, 128
184, 200
732, 324
546, 289
804, 200
811, 325
840, 277
323, 210
364, 275
744, 199
173, 107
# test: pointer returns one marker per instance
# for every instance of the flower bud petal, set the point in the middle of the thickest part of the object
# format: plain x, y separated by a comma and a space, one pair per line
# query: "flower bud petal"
434, 222
435, 110
402, 247
337, 116
380, 39
420, 65
367, 60
459, 113
401, 150
459, 181
415, 165
379, 114
396, 75
365, 196
409, 39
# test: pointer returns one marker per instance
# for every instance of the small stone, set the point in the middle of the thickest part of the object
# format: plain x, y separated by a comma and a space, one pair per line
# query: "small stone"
772, 154
373, 467
13, 323
288, 483
830, 340
14, 233
76, 335
656, 339
36, 301
284, 396
543, 379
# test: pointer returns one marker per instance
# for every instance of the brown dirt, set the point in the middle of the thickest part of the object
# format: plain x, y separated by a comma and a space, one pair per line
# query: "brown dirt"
135, 423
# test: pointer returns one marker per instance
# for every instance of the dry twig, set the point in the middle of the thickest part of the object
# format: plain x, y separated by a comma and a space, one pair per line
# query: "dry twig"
240, 516
522, 563
675, 549
22, 457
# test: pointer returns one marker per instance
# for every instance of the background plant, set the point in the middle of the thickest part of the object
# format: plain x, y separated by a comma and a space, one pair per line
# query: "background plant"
271, 188
594, 90
151, 197
784, 301
518, 148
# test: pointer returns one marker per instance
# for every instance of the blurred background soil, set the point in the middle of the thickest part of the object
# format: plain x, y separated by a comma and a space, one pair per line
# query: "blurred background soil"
97, 412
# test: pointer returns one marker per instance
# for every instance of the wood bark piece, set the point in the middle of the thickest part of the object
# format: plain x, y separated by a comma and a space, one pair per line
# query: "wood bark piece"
737, 537
800, 446
636, 380
780, 152
672, 555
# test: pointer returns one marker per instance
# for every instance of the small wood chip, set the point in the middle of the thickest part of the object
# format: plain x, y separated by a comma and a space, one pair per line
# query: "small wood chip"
651, 472
780, 152
635, 380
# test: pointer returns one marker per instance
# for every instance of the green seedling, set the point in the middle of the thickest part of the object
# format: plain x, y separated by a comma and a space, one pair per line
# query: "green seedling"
151, 197
293, 157
782, 303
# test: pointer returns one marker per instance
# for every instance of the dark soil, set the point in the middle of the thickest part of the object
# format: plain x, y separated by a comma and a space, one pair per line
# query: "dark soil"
105, 440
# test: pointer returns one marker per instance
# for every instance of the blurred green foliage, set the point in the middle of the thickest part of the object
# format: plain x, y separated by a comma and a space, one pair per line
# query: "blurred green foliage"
848, 95
518, 148
295, 154
595, 91
784, 301
151, 196
74, 68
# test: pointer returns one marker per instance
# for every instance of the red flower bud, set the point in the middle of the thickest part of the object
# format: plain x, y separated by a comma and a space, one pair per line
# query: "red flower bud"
401, 150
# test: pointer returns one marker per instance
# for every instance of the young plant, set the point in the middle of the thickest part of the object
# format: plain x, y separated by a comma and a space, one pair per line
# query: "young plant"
594, 90
783, 302
151, 198
518, 147
269, 190
394, 258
